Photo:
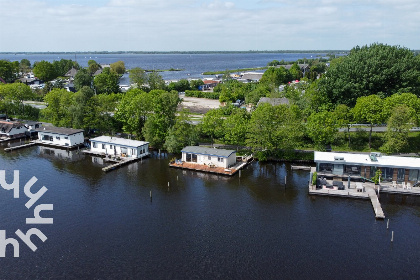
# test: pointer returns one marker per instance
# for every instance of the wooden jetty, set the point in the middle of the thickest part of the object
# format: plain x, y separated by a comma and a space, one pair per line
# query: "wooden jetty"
9, 149
116, 161
119, 163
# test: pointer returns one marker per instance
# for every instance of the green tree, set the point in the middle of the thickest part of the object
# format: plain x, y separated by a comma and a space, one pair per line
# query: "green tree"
344, 118
45, 71
13, 95
59, 105
107, 82
235, 126
180, 86
118, 67
138, 76
155, 81
82, 79
398, 125
295, 72
62, 66
276, 76
212, 124
25, 66
81, 107
93, 66
376, 69
181, 134
195, 84
8, 71
369, 109
408, 99
322, 128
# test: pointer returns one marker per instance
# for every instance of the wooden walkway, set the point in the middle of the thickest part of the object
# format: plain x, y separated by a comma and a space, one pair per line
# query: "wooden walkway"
9, 149
120, 163
370, 193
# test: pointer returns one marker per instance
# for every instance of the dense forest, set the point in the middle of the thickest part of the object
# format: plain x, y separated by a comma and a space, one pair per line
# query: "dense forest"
372, 85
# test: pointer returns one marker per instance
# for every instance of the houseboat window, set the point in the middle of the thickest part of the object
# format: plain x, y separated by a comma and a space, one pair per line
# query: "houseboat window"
57, 137
401, 174
188, 157
220, 159
133, 151
352, 170
413, 175
94, 144
325, 167
45, 137
372, 171
103, 146
387, 173
110, 146
65, 137
209, 157
194, 158
51, 138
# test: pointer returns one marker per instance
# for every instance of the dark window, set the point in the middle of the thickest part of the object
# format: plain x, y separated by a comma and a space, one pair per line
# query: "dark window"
387, 173
57, 137
65, 137
400, 174
188, 157
194, 158
352, 170
325, 167
103, 146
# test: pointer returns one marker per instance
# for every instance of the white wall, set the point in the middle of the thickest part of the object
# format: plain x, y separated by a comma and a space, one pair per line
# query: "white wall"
61, 139
15, 131
112, 149
206, 159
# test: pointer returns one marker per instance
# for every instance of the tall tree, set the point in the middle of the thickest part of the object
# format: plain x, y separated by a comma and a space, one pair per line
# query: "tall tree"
107, 82
138, 76
235, 127
398, 125
45, 71
375, 69
369, 109
8, 71
82, 79
276, 76
212, 124
118, 67
93, 66
155, 81
322, 128
182, 133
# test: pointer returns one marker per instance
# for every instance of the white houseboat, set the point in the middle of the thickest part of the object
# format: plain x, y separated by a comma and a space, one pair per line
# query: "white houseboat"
61, 137
106, 145
209, 156
393, 168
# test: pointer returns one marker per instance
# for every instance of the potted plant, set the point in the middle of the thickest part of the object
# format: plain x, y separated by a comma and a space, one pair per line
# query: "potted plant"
377, 177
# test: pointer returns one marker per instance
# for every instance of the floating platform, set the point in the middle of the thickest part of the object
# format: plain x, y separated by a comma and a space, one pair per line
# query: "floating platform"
117, 162
39, 142
215, 170
9, 149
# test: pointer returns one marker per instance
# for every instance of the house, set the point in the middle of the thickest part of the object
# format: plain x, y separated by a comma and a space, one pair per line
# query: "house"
208, 84
12, 129
71, 73
250, 77
60, 136
119, 147
209, 156
393, 168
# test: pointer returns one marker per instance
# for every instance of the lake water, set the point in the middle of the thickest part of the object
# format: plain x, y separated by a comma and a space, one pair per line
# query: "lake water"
193, 65
201, 227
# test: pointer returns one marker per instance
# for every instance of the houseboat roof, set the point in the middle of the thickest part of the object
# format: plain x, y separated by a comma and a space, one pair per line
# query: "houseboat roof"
119, 141
6, 126
208, 151
59, 130
373, 159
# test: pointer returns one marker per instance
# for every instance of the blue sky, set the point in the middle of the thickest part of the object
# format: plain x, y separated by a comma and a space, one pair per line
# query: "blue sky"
205, 25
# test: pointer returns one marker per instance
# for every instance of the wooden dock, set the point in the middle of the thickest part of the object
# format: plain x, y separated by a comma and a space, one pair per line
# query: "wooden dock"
120, 163
370, 193
9, 149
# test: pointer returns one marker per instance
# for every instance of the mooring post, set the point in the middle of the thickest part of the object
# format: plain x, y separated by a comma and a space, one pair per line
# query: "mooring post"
159, 152
239, 173
387, 224
392, 236
177, 177
150, 196
285, 181
168, 184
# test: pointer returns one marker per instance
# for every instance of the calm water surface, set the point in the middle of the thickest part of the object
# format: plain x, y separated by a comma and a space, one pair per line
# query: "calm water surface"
203, 227
192, 65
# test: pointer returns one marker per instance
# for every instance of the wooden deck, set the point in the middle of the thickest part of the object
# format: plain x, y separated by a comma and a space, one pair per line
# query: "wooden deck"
9, 149
205, 168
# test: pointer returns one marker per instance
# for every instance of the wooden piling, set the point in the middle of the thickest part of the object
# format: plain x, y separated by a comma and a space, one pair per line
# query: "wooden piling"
150, 196
392, 236
387, 224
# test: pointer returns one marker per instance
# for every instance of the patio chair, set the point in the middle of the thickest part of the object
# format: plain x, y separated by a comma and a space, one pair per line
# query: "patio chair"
403, 185
408, 186
394, 184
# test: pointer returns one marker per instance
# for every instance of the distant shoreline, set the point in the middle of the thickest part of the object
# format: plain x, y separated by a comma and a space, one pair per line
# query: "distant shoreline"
183, 52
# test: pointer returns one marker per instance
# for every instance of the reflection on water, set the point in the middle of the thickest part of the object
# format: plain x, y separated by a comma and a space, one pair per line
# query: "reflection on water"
202, 225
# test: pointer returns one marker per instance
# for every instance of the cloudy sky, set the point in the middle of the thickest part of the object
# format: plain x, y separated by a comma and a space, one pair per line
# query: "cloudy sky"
204, 25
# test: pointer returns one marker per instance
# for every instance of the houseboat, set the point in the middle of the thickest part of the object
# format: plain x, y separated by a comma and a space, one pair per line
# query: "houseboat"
393, 168
106, 145
60, 137
12, 129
